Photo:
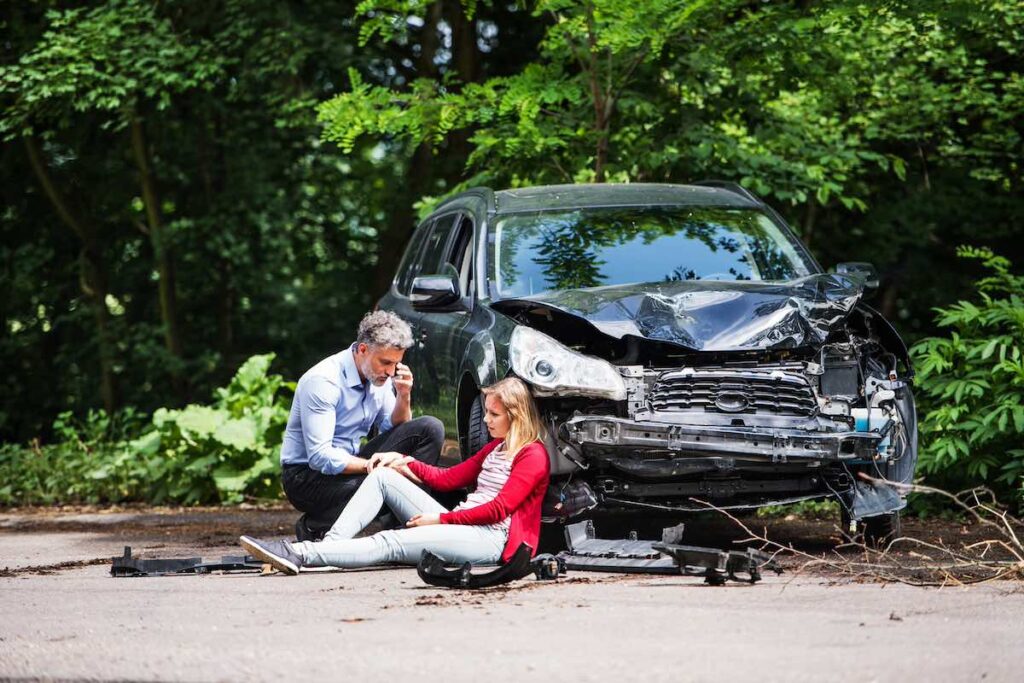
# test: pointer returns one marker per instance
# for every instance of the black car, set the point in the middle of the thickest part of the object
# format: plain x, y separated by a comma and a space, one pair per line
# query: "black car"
682, 344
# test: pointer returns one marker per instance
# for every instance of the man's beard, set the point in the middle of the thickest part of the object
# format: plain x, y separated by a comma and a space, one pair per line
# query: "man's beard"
367, 369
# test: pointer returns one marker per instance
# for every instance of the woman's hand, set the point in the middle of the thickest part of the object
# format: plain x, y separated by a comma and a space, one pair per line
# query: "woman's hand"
384, 459
423, 520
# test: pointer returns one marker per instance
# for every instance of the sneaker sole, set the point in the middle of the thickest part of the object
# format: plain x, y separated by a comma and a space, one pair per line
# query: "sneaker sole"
260, 553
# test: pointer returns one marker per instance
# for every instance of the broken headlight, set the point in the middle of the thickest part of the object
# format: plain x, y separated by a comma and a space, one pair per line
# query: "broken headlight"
557, 370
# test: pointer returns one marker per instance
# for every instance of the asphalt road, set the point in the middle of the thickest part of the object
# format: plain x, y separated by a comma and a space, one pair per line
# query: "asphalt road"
63, 617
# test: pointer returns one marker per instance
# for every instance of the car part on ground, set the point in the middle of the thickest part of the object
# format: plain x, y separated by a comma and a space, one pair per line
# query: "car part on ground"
126, 565
434, 571
586, 552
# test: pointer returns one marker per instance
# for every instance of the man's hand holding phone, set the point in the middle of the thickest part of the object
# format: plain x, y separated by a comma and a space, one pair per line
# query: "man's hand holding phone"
403, 381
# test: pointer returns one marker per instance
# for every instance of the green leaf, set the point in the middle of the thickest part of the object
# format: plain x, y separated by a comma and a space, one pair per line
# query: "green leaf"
239, 433
200, 421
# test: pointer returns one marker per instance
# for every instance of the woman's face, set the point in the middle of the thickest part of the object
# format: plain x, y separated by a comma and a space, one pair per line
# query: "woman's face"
496, 417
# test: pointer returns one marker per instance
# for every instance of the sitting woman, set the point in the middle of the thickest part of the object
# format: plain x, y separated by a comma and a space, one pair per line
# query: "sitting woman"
510, 475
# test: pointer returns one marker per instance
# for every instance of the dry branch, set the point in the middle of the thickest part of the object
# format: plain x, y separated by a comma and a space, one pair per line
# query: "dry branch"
915, 561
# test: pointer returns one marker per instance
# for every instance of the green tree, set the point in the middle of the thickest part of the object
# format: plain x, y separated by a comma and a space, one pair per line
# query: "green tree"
972, 382
117, 63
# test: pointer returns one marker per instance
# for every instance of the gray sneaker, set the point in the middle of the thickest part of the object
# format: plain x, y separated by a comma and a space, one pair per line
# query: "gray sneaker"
278, 553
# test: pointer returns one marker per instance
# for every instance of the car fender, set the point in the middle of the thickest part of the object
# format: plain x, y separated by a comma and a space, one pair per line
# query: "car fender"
889, 337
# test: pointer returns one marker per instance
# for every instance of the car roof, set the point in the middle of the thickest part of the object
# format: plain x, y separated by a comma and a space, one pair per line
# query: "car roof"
554, 197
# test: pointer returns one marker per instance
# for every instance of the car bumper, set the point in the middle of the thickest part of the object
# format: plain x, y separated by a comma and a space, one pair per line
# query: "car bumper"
602, 436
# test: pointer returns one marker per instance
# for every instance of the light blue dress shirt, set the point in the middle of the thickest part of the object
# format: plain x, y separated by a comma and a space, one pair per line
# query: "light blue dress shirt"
332, 411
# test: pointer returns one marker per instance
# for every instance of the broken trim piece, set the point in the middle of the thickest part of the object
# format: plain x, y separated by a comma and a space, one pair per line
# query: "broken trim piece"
588, 553
126, 565
435, 572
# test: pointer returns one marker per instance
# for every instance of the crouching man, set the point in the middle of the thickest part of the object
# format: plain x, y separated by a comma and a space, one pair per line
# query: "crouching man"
336, 404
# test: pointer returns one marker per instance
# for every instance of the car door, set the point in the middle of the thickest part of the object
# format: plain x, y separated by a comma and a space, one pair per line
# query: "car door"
443, 334
397, 299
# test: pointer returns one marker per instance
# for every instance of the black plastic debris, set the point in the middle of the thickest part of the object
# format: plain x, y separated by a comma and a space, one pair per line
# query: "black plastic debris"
127, 565
436, 572
586, 552
719, 566
547, 567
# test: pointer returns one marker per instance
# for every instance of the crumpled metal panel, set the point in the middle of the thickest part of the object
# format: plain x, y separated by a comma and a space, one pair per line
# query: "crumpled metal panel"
713, 315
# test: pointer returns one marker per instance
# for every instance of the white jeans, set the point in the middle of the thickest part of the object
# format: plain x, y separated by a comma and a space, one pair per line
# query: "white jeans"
454, 543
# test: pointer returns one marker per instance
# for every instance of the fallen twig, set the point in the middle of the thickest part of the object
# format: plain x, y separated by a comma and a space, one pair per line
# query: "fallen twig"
915, 561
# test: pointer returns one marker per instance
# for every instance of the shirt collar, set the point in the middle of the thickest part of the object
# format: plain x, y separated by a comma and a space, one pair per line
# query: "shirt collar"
349, 372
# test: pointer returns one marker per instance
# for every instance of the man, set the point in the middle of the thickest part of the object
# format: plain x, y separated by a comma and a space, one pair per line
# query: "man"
336, 404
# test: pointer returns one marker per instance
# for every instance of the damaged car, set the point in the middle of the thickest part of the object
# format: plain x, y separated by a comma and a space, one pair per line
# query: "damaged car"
684, 347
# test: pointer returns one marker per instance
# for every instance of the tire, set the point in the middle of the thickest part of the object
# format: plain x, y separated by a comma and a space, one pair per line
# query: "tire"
875, 532
477, 435
881, 530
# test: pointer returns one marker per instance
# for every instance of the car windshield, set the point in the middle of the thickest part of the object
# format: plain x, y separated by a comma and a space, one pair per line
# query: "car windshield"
557, 250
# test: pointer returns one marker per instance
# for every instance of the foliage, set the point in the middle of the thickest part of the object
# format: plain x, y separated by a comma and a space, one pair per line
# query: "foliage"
884, 132
971, 382
267, 228
773, 96
223, 452
103, 58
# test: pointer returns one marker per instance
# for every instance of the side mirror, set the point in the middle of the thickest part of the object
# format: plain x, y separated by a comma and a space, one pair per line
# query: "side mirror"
861, 269
435, 291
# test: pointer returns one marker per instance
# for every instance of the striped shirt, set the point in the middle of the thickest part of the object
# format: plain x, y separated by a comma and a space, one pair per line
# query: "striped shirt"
493, 475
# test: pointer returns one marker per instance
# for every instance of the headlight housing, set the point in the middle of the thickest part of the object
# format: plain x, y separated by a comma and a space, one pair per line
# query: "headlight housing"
556, 370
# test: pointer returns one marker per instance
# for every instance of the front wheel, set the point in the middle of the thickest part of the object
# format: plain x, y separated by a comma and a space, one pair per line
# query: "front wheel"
877, 531
477, 435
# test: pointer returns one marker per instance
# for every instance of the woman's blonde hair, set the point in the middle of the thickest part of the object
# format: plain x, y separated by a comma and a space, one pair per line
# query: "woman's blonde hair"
525, 425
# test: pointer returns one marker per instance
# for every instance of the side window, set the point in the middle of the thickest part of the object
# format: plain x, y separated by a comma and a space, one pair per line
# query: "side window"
408, 270
461, 255
434, 251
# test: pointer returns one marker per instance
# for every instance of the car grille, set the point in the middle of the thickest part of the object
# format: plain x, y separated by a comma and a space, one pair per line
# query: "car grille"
746, 391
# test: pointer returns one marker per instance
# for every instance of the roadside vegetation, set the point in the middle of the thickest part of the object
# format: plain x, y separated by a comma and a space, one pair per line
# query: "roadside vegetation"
187, 186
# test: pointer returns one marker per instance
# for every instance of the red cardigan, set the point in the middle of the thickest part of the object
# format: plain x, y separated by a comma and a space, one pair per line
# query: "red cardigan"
520, 497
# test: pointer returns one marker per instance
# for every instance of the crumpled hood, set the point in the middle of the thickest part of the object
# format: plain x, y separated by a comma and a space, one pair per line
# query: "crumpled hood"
712, 315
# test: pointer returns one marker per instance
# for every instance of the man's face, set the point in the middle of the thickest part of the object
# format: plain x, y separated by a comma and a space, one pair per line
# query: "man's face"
377, 363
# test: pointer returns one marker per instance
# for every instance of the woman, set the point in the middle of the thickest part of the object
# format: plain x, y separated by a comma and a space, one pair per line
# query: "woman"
509, 476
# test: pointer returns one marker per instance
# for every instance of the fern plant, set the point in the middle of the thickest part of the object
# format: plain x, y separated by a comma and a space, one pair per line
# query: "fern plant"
972, 382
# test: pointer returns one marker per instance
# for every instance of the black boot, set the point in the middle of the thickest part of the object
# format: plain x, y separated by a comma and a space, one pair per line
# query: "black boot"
303, 532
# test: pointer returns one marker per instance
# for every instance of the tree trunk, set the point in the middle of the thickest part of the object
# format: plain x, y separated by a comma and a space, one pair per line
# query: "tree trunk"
466, 59
207, 147
810, 218
162, 253
419, 175
92, 273
601, 100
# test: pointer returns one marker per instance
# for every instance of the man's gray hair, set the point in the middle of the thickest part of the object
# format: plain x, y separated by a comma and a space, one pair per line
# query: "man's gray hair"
384, 329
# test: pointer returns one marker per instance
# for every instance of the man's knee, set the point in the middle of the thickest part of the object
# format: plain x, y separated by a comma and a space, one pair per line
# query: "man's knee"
432, 429
426, 425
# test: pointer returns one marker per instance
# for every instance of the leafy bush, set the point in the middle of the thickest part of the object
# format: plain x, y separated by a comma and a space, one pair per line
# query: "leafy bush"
89, 463
221, 452
971, 383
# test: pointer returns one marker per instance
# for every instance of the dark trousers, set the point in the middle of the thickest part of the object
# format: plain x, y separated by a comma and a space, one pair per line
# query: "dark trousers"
322, 497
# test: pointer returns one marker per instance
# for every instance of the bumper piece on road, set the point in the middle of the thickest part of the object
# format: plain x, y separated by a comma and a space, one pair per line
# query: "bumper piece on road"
127, 565
588, 553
